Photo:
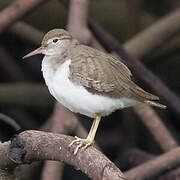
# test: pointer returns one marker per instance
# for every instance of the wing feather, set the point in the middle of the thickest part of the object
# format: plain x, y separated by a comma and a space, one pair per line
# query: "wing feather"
104, 74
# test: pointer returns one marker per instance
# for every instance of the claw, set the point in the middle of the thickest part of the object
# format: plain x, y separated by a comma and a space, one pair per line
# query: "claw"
81, 143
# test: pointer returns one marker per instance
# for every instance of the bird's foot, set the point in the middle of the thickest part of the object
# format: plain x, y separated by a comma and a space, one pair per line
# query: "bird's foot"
81, 143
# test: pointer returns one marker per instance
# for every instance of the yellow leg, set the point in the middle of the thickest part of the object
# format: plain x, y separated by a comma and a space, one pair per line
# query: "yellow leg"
90, 138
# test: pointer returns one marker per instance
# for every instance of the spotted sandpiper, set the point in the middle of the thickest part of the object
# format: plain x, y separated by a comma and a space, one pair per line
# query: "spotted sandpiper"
87, 81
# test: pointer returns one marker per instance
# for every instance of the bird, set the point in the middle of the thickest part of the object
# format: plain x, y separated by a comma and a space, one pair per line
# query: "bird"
87, 81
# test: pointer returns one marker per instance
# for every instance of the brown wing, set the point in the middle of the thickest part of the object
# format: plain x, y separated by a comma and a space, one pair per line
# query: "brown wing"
103, 74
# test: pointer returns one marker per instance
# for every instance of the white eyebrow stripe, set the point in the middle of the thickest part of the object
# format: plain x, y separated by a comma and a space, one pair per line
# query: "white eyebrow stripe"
50, 40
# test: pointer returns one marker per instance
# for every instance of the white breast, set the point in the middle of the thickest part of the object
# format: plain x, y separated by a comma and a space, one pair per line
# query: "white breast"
76, 97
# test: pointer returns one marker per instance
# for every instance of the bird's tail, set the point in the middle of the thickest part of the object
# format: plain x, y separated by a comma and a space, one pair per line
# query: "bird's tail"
152, 103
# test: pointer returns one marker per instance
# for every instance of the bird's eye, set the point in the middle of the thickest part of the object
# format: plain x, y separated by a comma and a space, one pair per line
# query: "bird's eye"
55, 40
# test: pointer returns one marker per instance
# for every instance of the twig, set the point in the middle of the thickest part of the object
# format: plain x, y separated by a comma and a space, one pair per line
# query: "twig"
134, 157
10, 122
15, 11
152, 37
156, 166
156, 127
42, 145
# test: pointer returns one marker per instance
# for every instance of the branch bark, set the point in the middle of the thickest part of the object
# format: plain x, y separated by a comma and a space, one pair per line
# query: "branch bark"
42, 145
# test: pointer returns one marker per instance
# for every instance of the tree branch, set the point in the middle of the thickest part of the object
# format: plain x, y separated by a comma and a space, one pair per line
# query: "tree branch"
39, 145
152, 37
156, 127
156, 166
15, 11
134, 157
77, 20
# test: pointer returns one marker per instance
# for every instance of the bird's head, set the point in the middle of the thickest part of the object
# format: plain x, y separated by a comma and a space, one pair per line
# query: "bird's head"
53, 43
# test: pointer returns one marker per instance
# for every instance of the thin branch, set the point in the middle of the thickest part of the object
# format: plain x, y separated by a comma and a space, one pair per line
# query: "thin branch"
152, 37
9, 121
37, 145
15, 11
134, 157
156, 127
155, 167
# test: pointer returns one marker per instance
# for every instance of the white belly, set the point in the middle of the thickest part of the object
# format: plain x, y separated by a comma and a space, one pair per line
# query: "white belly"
77, 98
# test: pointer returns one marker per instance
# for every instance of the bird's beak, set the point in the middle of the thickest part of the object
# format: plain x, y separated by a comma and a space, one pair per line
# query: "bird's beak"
39, 50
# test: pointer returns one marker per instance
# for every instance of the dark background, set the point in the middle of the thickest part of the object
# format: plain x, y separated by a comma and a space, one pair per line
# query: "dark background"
123, 130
